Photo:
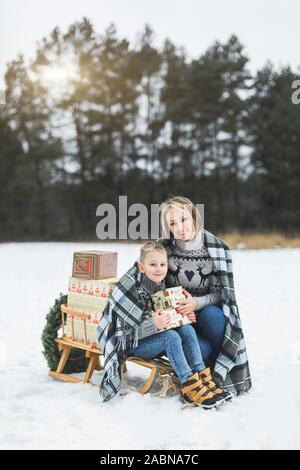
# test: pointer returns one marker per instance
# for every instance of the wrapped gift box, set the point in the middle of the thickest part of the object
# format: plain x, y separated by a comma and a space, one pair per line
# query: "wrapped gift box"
90, 295
78, 328
93, 307
91, 330
176, 319
95, 264
167, 300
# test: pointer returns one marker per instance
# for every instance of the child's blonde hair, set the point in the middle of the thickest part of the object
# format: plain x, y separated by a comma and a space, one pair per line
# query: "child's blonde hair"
151, 246
181, 203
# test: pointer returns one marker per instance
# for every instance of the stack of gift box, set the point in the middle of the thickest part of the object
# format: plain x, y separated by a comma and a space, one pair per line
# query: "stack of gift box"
167, 300
92, 281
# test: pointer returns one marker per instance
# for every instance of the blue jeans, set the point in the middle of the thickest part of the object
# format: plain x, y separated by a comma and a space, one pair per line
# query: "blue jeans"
210, 328
181, 347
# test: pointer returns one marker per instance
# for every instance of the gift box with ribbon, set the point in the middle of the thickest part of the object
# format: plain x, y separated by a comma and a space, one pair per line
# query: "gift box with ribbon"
167, 301
95, 264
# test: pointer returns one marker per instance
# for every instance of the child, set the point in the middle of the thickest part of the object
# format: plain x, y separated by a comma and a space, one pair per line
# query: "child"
130, 327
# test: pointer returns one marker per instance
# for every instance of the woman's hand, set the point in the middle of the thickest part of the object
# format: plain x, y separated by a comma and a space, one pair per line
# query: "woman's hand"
192, 317
161, 319
186, 293
187, 306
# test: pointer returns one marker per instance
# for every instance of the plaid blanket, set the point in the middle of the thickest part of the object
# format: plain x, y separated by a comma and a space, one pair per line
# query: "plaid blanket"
117, 329
231, 370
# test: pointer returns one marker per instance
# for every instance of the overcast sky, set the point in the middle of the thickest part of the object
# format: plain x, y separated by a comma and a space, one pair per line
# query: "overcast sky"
269, 29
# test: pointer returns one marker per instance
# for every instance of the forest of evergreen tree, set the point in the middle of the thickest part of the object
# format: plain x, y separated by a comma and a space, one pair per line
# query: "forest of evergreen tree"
145, 121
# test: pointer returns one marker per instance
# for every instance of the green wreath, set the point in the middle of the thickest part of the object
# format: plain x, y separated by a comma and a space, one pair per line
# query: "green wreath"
77, 361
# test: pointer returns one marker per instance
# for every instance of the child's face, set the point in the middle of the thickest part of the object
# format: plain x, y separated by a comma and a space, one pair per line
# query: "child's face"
154, 266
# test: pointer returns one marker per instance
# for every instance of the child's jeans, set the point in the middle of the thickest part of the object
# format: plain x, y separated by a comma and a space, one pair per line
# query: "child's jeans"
180, 345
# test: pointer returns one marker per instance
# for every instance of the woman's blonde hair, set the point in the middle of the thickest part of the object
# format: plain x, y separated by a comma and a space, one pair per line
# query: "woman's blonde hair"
181, 203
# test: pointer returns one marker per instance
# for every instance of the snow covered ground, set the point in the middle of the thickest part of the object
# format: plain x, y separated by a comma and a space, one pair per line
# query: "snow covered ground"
38, 412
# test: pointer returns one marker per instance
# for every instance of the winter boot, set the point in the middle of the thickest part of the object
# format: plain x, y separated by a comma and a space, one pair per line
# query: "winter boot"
194, 392
212, 387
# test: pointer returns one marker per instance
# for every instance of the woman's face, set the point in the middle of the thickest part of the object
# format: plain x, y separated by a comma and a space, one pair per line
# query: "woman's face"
180, 223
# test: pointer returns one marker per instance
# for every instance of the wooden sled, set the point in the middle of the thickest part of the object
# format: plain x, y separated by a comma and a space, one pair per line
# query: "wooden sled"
158, 367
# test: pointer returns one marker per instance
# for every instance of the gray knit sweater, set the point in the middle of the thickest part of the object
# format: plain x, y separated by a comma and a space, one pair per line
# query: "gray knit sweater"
147, 326
190, 266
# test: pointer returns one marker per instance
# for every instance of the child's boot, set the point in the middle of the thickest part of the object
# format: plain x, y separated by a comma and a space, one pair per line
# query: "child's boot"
217, 392
194, 392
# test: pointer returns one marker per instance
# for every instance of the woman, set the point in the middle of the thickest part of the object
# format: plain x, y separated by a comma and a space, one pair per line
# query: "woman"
202, 264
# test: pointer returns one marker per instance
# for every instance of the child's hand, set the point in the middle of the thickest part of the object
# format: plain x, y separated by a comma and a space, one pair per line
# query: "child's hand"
186, 306
161, 320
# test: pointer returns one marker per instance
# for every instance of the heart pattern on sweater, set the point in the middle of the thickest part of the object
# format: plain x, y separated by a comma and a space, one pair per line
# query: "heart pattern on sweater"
189, 274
